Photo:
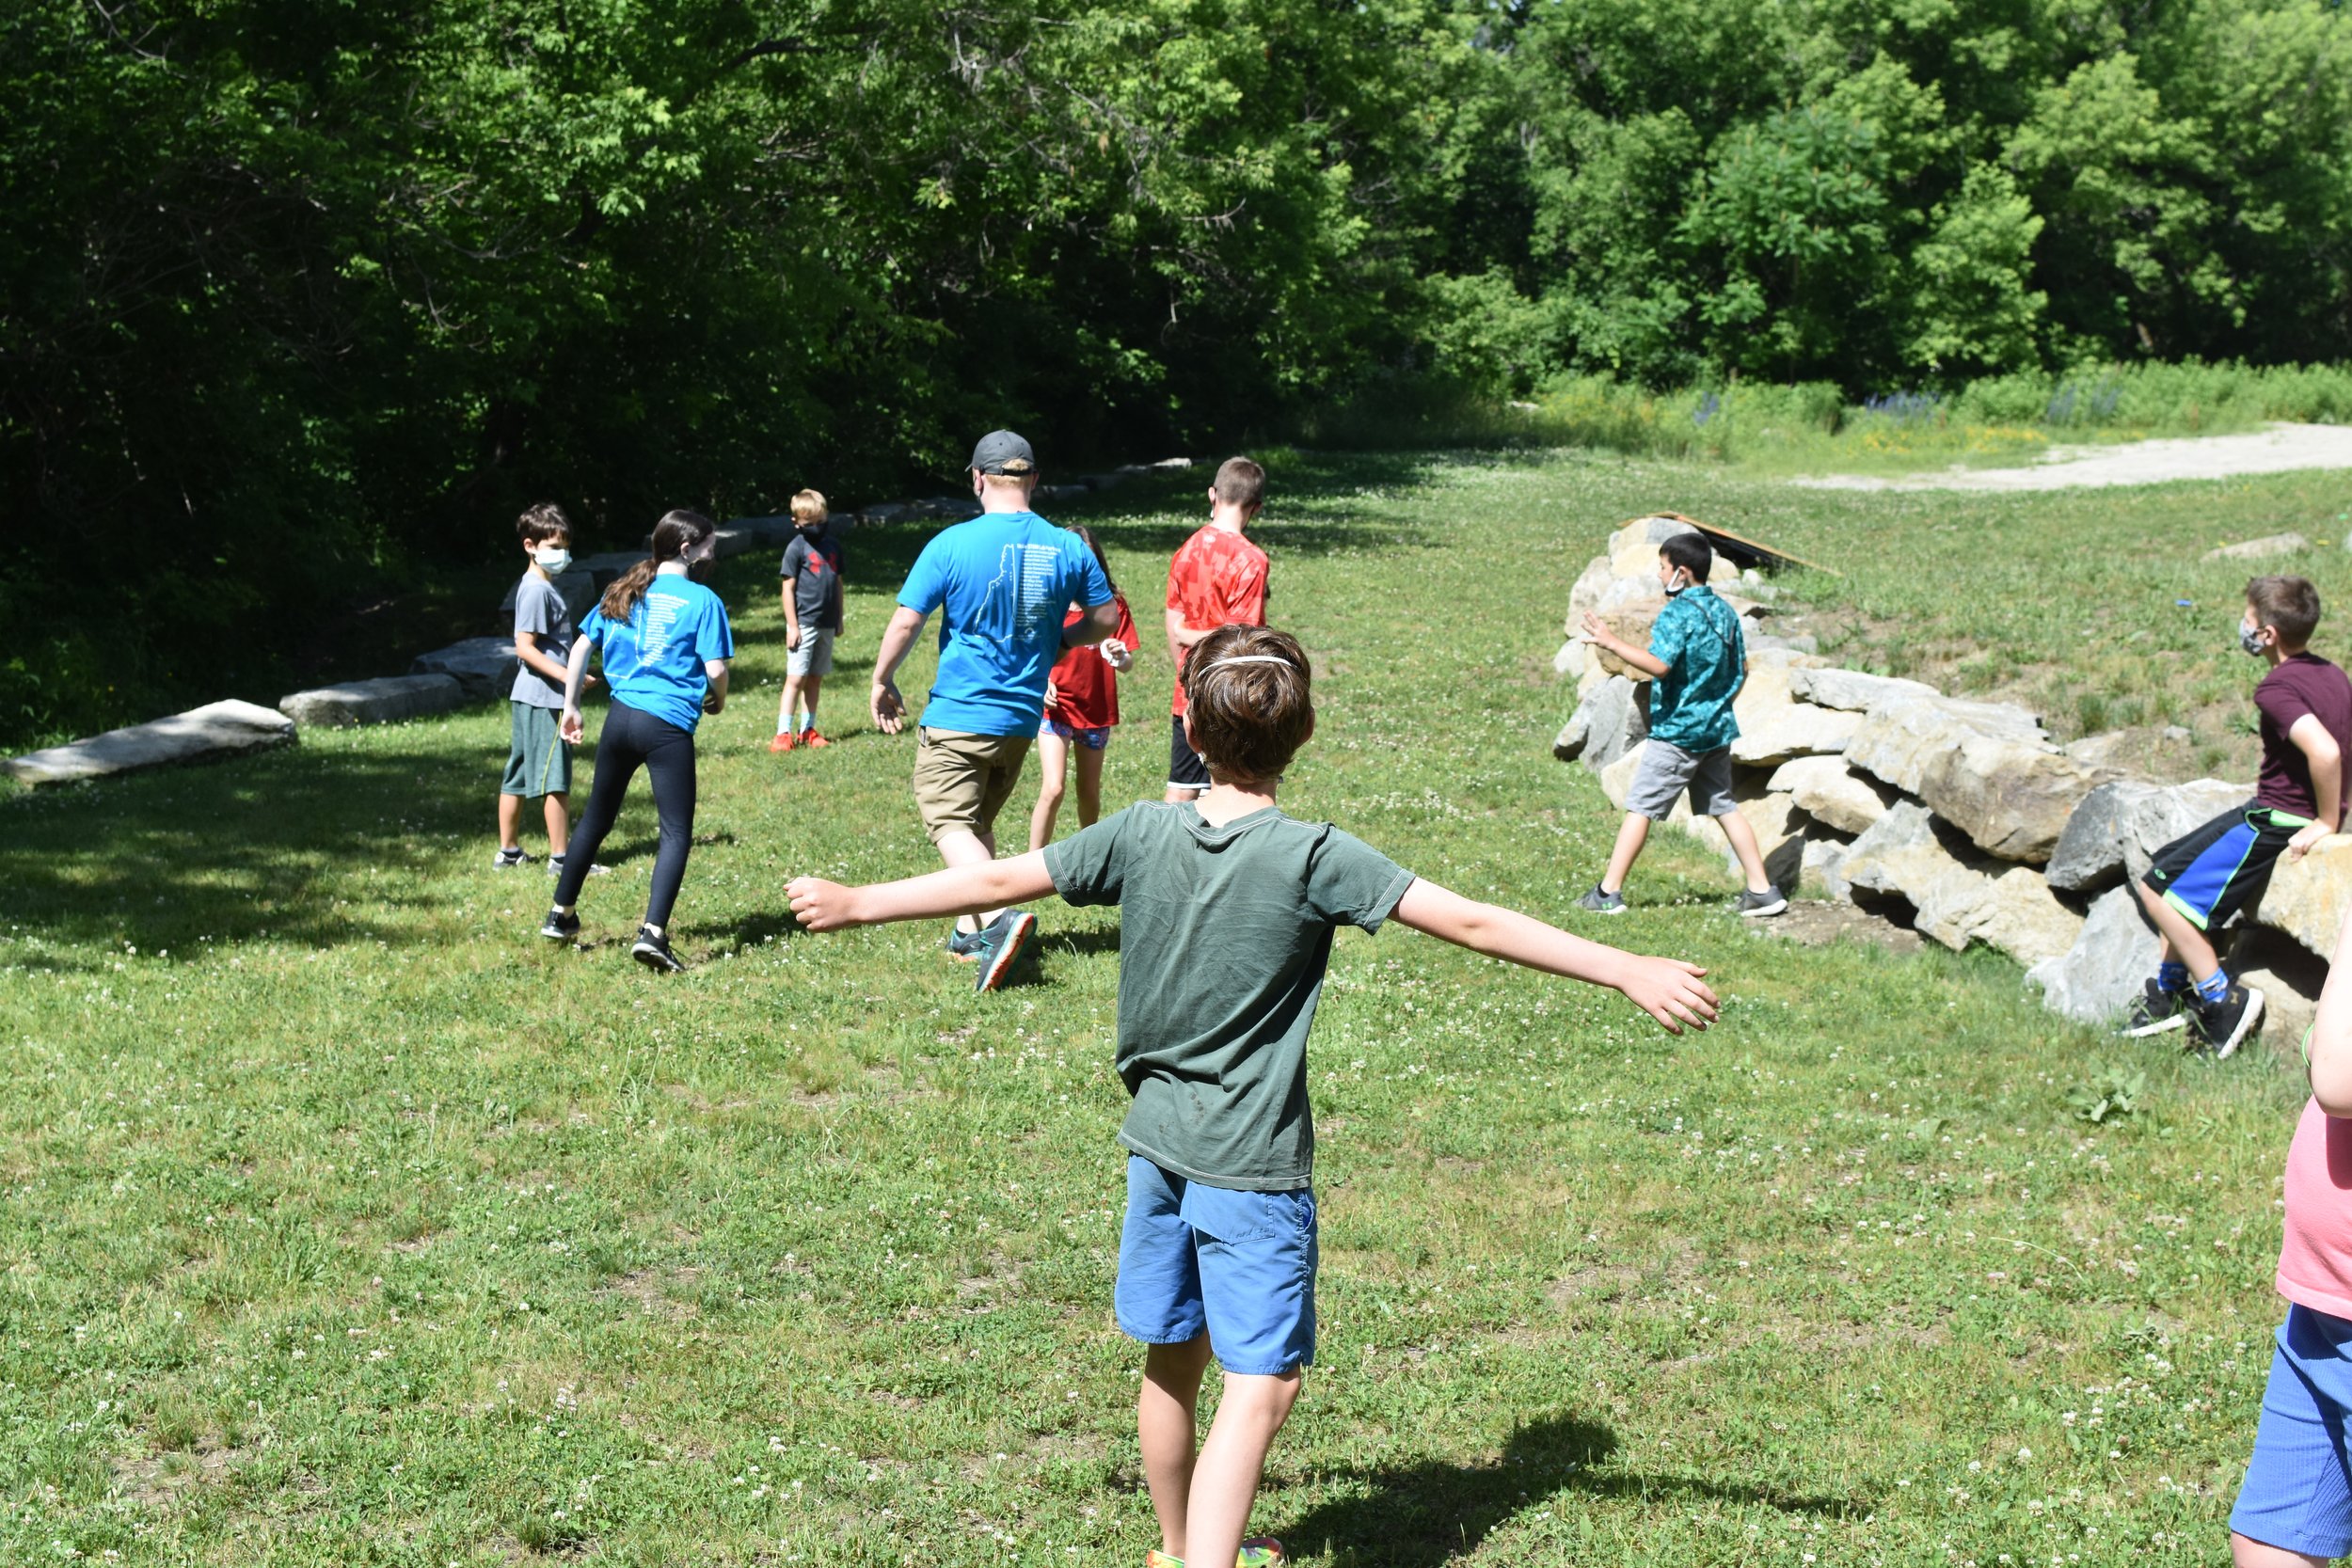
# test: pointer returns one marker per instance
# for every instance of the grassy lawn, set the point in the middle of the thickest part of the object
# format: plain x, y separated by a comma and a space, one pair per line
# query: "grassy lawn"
346, 1220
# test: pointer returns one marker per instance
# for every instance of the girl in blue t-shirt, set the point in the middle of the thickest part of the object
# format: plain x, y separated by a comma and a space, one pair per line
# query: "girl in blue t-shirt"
664, 643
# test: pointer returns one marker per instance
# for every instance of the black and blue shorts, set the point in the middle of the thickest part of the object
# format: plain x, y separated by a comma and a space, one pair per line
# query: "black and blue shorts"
2211, 873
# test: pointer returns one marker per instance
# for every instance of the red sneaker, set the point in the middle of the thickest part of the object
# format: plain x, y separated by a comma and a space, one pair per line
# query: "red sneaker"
784, 742
810, 738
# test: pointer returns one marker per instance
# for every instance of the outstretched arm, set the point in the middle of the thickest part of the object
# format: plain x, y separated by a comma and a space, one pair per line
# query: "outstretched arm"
1666, 988
823, 905
1597, 632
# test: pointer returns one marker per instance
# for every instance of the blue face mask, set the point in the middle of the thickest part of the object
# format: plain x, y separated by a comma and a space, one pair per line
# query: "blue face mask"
554, 560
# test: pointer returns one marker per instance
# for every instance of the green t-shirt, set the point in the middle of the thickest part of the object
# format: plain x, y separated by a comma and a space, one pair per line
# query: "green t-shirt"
1225, 933
1706, 660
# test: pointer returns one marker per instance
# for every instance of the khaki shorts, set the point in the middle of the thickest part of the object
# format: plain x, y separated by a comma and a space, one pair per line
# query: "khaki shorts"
962, 781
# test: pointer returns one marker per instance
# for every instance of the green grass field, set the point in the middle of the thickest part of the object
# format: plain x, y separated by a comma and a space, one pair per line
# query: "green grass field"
346, 1220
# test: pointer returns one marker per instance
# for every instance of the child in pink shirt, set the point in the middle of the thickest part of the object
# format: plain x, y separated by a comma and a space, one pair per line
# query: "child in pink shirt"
2297, 1504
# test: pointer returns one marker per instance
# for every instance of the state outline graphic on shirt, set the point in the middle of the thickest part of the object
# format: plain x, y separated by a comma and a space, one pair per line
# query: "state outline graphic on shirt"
1028, 582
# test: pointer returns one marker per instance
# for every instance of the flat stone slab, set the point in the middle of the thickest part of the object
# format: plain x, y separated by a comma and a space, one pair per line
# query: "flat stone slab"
386, 701
484, 666
2260, 549
217, 729
1851, 689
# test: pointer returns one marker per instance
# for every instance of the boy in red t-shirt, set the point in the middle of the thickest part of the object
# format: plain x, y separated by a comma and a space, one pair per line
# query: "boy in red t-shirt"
1081, 708
1218, 578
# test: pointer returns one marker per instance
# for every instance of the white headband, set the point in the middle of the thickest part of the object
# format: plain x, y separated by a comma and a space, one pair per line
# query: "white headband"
1253, 658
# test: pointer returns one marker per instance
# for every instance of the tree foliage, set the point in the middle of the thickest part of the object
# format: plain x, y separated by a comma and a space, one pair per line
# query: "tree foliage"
302, 296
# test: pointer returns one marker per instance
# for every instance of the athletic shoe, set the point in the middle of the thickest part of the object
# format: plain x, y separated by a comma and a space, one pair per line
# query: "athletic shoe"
1599, 902
1259, 1551
507, 860
810, 738
1755, 906
1000, 944
555, 867
559, 926
784, 742
2154, 1010
964, 947
2225, 1025
652, 949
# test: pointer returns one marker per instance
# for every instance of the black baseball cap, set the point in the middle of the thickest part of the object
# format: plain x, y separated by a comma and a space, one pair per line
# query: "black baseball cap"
1001, 451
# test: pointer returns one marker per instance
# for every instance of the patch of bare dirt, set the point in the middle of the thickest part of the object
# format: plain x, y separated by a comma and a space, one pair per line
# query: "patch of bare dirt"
1818, 922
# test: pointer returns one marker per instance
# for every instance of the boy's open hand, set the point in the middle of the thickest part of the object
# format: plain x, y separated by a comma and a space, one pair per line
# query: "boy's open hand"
1670, 991
569, 726
889, 709
1596, 631
822, 906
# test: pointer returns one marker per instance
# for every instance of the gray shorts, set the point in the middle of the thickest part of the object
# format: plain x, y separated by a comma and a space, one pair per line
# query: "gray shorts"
1666, 771
813, 657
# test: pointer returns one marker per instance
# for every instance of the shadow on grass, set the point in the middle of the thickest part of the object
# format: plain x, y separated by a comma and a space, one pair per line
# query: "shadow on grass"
1422, 1514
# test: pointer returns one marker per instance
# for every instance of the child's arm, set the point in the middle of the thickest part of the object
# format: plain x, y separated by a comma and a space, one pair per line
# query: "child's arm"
2326, 757
1598, 633
823, 905
791, 613
1666, 988
527, 649
2330, 1039
575, 677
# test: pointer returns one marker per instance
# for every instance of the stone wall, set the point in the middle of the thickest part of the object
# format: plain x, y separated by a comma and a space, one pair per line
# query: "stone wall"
1962, 817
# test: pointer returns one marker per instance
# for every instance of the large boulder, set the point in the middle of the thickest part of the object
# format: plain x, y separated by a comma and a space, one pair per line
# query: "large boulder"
484, 666
2308, 898
1632, 624
1959, 896
2173, 811
1901, 737
2260, 549
2011, 798
2290, 976
1585, 594
1823, 861
1778, 826
1574, 654
1633, 549
1854, 690
1615, 716
377, 701
1794, 730
215, 730
1617, 780
2089, 855
1832, 792
2096, 978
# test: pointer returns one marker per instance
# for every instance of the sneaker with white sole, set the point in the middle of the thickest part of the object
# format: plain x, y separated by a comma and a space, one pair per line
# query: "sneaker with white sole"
1000, 946
2223, 1025
2155, 1010
559, 927
1755, 906
652, 949
1602, 901
507, 860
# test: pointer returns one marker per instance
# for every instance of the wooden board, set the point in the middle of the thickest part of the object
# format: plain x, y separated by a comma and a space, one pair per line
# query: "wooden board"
1752, 547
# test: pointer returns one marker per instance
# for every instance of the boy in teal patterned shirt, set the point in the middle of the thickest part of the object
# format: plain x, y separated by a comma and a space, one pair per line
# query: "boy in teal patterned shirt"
1696, 660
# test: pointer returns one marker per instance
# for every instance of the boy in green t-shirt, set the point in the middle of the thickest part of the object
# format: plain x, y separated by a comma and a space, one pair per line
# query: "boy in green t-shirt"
1697, 662
1229, 907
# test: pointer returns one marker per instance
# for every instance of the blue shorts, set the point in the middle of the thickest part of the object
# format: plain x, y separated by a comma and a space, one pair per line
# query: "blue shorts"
1241, 1265
1093, 737
2298, 1491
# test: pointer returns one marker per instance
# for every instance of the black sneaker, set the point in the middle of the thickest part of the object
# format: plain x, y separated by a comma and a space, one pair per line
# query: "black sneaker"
1000, 944
559, 926
1755, 906
964, 947
1601, 902
2224, 1025
652, 949
507, 860
2155, 1010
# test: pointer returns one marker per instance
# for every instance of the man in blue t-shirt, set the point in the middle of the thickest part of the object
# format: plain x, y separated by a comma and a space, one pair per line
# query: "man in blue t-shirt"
1002, 584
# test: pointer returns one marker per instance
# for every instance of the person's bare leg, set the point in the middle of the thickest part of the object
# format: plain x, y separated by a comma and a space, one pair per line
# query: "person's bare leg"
557, 812
1631, 834
2182, 942
510, 821
2249, 1553
812, 686
1224, 1477
788, 710
1053, 758
1167, 1421
960, 848
1089, 785
1737, 829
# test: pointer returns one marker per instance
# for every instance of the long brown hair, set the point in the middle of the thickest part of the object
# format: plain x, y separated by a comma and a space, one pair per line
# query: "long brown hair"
1100, 559
676, 534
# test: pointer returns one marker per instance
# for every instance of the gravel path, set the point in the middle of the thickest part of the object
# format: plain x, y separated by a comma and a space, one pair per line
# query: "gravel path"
2276, 449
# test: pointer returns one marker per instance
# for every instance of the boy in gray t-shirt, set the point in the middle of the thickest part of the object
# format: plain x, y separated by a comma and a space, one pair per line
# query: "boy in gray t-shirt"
1228, 909
538, 760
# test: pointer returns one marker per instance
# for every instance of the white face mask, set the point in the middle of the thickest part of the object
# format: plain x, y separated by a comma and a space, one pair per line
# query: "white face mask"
553, 559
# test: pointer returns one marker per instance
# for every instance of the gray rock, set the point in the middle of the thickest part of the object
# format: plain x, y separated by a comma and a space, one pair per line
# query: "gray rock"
1902, 738
1586, 593
1959, 896
217, 729
1616, 720
2290, 976
2260, 549
2012, 799
2097, 750
732, 541
2089, 855
1794, 730
889, 511
2167, 814
1568, 744
1832, 793
1634, 549
484, 666
2308, 898
377, 701
1795, 642
2095, 979
1851, 689
1823, 860
1571, 658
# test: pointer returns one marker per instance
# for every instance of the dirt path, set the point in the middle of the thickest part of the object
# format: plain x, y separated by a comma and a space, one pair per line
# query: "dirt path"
2276, 450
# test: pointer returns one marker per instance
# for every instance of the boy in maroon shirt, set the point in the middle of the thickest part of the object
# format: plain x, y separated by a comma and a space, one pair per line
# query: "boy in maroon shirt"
2198, 881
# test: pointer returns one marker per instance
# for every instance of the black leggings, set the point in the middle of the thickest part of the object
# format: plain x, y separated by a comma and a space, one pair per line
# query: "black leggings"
633, 738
